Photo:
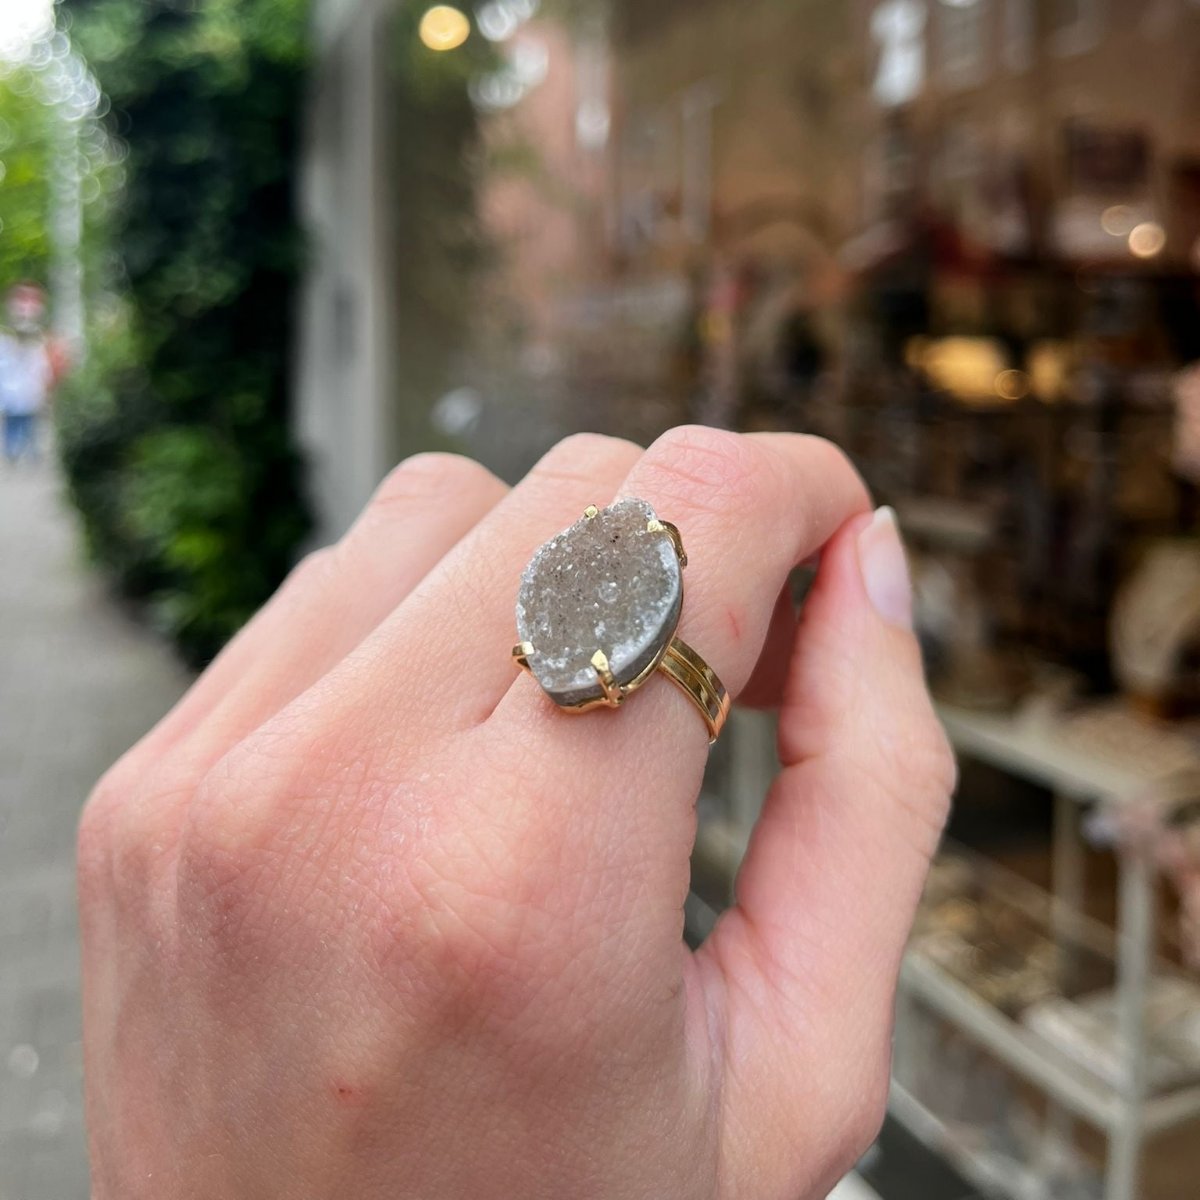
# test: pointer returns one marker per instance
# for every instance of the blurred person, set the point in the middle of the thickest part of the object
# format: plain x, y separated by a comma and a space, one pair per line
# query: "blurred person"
28, 370
368, 915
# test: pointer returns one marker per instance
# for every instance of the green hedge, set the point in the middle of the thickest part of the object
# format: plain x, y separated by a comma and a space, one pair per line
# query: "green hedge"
175, 435
27, 146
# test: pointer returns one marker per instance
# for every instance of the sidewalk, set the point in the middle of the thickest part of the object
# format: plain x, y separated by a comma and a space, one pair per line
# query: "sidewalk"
78, 684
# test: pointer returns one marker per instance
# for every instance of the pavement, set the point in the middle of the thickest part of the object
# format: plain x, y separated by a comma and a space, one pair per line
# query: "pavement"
79, 683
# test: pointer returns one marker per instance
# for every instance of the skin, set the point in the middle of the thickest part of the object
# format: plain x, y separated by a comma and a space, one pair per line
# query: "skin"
366, 916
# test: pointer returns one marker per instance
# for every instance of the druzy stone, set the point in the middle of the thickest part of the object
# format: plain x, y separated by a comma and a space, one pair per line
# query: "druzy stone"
606, 583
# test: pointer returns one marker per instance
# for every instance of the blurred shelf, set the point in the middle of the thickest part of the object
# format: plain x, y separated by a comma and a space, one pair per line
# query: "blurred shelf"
1103, 755
984, 1172
995, 956
993, 912
853, 1188
1034, 749
1035, 1059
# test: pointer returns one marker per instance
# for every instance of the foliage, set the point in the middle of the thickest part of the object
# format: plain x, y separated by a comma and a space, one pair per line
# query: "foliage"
27, 135
175, 434
48, 120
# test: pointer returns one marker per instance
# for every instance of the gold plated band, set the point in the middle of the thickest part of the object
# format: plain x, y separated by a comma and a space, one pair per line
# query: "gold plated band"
683, 666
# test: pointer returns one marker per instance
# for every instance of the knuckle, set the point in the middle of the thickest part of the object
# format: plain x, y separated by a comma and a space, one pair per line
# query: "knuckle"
931, 766
920, 771
697, 468
125, 832
100, 823
94, 839
495, 939
862, 1120
313, 567
430, 478
585, 445
488, 919
254, 852
313, 572
479, 954
850, 1106
268, 830
107, 797
834, 458
581, 455
221, 855
834, 462
942, 763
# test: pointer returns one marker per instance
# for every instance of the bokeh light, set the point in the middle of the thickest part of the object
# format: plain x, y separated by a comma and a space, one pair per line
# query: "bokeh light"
1012, 385
497, 21
1118, 220
1147, 239
444, 27
23, 25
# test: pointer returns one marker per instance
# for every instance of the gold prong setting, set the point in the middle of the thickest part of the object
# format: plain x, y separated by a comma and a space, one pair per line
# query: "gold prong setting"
611, 581
672, 531
571, 593
614, 693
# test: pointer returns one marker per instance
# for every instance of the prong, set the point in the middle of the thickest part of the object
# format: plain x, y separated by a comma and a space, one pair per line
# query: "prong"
612, 689
520, 654
672, 531
677, 538
591, 512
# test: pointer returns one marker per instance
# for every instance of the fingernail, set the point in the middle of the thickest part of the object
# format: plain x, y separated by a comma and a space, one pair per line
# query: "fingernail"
885, 569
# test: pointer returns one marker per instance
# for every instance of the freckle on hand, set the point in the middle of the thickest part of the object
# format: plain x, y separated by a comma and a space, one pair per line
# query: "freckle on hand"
347, 1095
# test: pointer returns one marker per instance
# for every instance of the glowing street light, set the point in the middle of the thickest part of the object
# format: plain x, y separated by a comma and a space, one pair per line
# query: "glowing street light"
444, 28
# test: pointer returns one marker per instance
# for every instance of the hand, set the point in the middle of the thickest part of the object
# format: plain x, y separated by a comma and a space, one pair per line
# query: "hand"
366, 916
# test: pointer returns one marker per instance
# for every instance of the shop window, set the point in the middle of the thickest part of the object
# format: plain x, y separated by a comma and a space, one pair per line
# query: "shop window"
1075, 25
962, 41
898, 29
960, 170
1018, 34
697, 113
889, 174
650, 147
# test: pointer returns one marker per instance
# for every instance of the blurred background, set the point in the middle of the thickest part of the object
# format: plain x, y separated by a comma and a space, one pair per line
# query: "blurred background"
253, 252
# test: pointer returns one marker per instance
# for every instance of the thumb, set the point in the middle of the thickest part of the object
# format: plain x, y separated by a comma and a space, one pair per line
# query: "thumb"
809, 956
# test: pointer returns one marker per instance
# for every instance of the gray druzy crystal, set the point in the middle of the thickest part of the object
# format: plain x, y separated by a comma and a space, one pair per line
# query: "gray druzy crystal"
606, 583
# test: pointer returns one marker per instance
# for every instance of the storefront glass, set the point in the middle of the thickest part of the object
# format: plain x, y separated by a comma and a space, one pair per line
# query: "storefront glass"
961, 238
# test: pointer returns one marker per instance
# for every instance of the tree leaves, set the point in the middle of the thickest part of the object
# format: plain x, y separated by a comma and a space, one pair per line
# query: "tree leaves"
187, 477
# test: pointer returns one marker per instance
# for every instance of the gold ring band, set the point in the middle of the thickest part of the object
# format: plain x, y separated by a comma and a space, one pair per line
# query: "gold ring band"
698, 681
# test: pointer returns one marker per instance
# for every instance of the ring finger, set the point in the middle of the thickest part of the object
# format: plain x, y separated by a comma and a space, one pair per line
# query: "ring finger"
749, 507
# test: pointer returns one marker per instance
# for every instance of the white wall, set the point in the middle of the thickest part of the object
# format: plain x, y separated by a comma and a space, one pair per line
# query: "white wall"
344, 370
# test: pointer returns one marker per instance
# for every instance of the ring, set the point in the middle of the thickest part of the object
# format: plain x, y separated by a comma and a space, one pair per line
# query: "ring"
597, 610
